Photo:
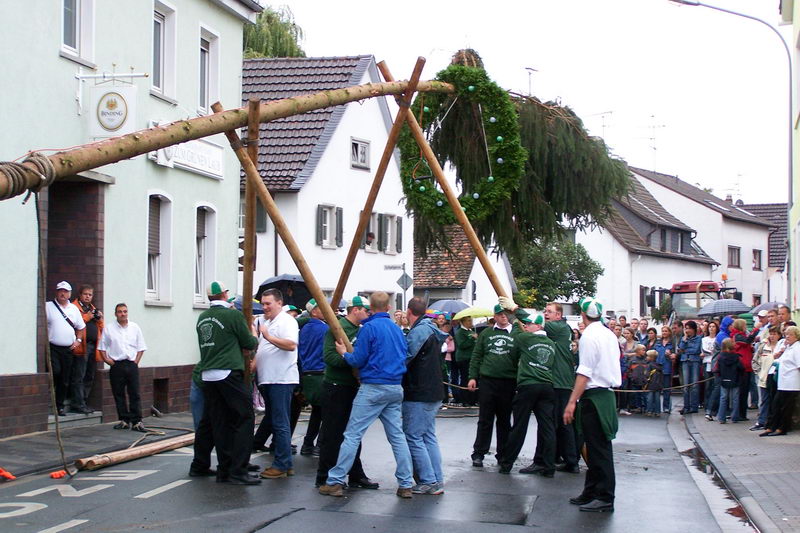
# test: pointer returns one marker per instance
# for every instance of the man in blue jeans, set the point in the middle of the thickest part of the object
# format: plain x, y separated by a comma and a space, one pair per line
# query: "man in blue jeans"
422, 398
379, 356
690, 350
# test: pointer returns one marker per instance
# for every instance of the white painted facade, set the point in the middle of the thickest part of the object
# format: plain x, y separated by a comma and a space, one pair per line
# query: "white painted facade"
335, 184
715, 233
624, 272
41, 112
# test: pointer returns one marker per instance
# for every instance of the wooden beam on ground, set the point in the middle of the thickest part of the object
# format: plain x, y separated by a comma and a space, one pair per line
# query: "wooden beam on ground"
404, 103
452, 199
285, 234
26, 176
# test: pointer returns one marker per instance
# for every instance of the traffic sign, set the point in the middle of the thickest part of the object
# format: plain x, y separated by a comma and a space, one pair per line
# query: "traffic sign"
405, 281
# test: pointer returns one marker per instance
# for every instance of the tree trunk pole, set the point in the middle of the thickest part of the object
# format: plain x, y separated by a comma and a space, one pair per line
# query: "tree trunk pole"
250, 214
452, 199
286, 236
386, 158
105, 152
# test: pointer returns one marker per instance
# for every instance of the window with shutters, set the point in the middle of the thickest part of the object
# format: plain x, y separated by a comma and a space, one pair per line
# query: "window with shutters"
157, 285
370, 239
390, 238
330, 226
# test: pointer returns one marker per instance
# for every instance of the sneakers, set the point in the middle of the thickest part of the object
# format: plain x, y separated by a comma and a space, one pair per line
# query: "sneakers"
434, 488
477, 461
404, 492
122, 425
624, 412
336, 490
709, 417
138, 426
756, 427
274, 473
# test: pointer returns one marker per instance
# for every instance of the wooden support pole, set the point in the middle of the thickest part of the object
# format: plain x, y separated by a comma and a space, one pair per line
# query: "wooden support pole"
452, 199
250, 215
286, 236
105, 152
404, 103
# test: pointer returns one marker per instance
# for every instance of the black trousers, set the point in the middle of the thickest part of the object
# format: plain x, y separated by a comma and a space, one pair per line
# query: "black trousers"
314, 423
203, 442
230, 408
744, 391
61, 359
91, 370
124, 377
600, 480
566, 441
464, 397
540, 399
495, 396
76, 393
780, 418
337, 402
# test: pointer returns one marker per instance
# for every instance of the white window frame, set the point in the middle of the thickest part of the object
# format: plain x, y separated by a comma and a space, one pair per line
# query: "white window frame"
390, 238
83, 51
211, 80
359, 147
329, 227
373, 227
169, 44
760, 266
204, 255
161, 294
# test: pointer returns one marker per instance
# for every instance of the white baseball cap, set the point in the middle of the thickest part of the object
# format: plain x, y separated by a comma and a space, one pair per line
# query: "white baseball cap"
64, 285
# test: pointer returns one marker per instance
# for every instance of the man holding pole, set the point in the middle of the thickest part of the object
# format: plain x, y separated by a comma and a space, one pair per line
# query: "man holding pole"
596, 414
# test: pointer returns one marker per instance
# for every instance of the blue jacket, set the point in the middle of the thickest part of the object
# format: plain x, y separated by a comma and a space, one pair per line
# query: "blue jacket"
662, 359
724, 330
309, 347
380, 353
692, 349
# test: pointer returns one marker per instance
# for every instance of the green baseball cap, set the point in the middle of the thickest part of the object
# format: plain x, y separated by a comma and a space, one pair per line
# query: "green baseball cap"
358, 301
312, 303
534, 318
591, 307
215, 288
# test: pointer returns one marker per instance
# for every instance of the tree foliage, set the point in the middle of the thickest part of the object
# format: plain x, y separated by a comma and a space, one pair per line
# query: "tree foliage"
275, 34
555, 269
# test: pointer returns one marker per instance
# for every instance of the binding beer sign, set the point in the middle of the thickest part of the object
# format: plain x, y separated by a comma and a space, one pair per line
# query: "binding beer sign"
112, 110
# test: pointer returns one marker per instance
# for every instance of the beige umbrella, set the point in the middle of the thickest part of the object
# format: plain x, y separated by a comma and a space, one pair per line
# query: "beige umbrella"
473, 312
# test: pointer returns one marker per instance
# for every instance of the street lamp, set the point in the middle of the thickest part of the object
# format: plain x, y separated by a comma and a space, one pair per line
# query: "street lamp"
790, 150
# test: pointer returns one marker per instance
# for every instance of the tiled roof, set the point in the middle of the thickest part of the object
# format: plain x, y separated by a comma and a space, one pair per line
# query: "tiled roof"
700, 196
291, 147
641, 202
442, 269
777, 215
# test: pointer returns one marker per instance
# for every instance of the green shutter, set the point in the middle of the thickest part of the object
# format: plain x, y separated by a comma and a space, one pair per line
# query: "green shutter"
363, 235
399, 239
261, 218
319, 224
381, 233
339, 225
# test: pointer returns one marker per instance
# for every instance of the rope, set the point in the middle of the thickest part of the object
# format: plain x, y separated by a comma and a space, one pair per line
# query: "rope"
676, 387
17, 172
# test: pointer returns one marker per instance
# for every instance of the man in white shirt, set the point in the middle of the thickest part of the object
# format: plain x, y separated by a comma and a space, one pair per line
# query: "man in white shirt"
64, 321
121, 347
278, 376
598, 371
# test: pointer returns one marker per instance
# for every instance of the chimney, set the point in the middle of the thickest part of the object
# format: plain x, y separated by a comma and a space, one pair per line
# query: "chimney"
729, 198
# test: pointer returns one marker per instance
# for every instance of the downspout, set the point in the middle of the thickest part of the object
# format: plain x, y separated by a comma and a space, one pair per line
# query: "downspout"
630, 285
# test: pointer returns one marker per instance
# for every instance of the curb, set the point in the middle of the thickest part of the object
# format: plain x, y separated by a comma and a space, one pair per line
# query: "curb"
754, 511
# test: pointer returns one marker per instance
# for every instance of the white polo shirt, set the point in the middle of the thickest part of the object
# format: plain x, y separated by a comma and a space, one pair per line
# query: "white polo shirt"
59, 332
599, 357
276, 366
121, 343
789, 368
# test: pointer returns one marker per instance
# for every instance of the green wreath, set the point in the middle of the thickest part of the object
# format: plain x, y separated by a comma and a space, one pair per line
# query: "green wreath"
477, 131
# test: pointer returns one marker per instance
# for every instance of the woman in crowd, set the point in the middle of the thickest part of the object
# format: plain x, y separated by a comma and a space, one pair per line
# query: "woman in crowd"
629, 347
666, 357
788, 385
743, 345
711, 388
762, 364
651, 340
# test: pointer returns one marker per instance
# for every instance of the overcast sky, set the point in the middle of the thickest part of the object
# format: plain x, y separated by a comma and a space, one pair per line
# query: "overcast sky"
682, 90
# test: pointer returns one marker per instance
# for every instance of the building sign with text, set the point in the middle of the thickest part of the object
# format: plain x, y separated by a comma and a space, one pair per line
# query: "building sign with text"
112, 111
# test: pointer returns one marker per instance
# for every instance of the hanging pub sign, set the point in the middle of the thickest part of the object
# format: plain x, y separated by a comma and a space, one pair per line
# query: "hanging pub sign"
112, 110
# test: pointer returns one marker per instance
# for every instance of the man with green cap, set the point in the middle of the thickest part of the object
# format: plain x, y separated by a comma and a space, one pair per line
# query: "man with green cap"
535, 354
309, 353
493, 366
596, 414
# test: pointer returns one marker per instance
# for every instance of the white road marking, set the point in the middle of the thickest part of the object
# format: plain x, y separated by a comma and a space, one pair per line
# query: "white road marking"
119, 475
23, 509
66, 491
62, 527
165, 488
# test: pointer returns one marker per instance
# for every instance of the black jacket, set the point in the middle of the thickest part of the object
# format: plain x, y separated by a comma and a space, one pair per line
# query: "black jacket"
422, 381
730, 369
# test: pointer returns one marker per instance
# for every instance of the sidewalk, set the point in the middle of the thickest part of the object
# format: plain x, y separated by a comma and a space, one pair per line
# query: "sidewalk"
762, 472
38, 452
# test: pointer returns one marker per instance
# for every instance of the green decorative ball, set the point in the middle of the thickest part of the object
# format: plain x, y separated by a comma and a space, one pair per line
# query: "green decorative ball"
422, 188
426, 109
500, 161
499, 138
463, 208
492, 120
471, 88
476, 195
490, 179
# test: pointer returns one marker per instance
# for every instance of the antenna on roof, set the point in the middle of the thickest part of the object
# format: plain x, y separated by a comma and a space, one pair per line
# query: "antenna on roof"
653, 128
602, 116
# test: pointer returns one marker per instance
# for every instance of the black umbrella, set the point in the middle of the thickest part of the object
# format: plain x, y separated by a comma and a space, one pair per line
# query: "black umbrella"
768, 306
728, 306
257, 309
292, 287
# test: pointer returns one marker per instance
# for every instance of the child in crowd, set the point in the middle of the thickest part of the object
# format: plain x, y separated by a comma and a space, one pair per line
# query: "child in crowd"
654, 384
637, 378
730, 370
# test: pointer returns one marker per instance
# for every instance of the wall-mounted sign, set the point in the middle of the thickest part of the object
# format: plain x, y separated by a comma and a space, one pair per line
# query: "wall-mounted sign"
113, 110
200, 156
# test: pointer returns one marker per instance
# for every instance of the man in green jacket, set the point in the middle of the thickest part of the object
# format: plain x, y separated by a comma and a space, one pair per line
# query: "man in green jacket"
493, 366
339, 389
222, 333
464, 338
535, 354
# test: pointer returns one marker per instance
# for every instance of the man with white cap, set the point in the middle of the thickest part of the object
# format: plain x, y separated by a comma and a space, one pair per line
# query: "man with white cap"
64, 321
596, 414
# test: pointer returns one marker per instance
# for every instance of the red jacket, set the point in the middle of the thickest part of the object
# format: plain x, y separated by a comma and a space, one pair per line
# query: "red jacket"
743, 347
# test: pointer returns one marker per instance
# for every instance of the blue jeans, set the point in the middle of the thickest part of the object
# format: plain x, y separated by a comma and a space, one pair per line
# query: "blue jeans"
666, 398
419, 425
375, 401
763, 406
712, 399
724, 396
196, 402
277, 404
690, 372
652, 401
